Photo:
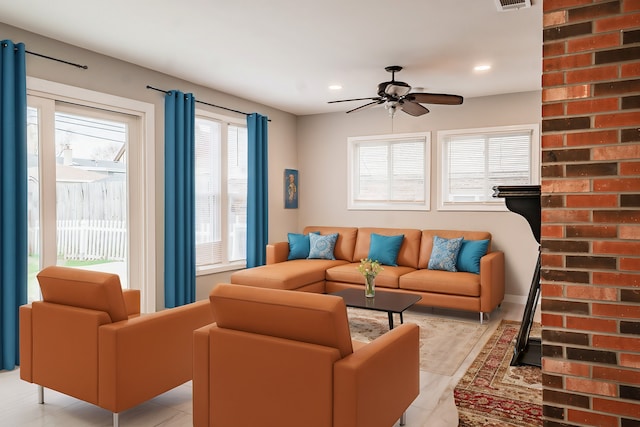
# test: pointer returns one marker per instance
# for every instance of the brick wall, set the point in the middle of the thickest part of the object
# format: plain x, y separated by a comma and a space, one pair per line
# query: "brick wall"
591, 213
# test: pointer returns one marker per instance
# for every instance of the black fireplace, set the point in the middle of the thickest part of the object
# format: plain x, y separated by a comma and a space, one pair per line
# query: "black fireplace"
525, 200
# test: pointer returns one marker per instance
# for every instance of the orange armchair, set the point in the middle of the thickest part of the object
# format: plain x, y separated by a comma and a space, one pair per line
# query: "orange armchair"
87, 339
285, 359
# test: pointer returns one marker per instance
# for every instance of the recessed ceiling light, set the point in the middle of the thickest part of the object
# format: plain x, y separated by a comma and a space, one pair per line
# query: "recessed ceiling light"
483, 67
335, 87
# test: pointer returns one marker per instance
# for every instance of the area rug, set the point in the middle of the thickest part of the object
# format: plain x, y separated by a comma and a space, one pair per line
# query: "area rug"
493, 393
444, 342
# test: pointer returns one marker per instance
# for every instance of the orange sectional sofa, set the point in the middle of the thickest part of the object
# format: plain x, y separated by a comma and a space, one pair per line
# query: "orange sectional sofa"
481, 292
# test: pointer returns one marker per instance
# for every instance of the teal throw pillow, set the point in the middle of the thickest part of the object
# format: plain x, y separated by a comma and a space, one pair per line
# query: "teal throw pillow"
299, 245
470, 253
444, 253
385, 249
321, 247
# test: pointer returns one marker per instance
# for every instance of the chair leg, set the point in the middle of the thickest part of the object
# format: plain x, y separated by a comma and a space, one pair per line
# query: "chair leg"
481, 317
115, 419
403, 418
40, 394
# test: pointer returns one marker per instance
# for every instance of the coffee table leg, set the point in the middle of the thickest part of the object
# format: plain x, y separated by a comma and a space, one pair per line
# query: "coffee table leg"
401, 319
390, 319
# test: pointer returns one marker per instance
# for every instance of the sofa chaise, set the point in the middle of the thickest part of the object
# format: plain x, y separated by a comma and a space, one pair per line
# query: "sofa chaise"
475, 281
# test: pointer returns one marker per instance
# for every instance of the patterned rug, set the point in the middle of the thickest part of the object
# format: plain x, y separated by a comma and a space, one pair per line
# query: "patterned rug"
493, 393
439, 352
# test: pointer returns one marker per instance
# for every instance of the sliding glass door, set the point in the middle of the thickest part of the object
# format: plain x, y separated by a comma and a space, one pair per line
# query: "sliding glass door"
78, 188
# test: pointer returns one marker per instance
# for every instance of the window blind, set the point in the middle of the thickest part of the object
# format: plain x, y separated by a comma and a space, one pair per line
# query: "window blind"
474, 164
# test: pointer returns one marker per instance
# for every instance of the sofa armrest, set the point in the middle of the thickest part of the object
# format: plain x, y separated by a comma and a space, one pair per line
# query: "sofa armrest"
277, 252
491, 281
201, 375
132, 301
150, 354
377, 383
26, 344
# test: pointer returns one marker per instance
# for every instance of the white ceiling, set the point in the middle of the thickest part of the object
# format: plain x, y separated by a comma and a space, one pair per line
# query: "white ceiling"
285, 53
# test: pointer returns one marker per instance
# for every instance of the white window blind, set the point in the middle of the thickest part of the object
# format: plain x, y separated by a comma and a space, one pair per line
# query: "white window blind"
237, 162
389, 172
221, 192
207, 190
472, 163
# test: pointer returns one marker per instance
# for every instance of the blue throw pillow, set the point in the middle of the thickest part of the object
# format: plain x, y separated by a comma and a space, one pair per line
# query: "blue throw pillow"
384, 249
321, 247
444, 253
299, 245
470, 253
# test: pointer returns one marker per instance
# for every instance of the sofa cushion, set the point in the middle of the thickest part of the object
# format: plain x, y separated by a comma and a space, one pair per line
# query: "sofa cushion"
300, 316
348, 273
409, 250
344, 244
76, 287
444, 254
442, 282
384, 249
321, 247
298, 246
470, 253
426, 243
285, 275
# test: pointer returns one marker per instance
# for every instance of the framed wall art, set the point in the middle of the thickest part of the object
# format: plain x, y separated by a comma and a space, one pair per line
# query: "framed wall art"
291, 189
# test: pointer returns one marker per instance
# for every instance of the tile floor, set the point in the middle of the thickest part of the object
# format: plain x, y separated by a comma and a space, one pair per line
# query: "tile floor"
434, 407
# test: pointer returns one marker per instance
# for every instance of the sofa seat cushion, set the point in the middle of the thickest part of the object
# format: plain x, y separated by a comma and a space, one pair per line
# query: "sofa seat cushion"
287, 275
348, 273
442, 282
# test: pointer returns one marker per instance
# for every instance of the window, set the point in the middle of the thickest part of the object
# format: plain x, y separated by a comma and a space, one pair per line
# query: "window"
389, 172
473, 161
221, 192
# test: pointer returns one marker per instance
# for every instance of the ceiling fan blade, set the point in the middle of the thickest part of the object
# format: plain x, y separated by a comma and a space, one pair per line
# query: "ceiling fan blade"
413, 108
435, 98
366, 105
356, 99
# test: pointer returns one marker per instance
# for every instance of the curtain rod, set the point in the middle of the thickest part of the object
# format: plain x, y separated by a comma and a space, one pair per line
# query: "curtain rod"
84, 67
205, 103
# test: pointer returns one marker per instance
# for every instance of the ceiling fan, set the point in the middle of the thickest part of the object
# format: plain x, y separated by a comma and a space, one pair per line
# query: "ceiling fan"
396, 95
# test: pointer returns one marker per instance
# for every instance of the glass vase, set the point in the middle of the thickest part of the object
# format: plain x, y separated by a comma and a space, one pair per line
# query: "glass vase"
370, 286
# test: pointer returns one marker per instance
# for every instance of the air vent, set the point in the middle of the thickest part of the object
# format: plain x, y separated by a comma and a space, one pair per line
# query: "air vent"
505, 5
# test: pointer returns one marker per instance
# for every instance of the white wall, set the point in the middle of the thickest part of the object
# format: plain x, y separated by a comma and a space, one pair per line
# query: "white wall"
322, 142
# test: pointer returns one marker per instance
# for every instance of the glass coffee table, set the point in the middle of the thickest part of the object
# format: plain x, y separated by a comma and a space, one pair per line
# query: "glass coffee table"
390, 302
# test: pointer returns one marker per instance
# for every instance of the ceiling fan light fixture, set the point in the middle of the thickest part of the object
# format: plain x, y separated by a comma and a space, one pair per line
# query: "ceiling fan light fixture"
391, 107
396, 95
397, 89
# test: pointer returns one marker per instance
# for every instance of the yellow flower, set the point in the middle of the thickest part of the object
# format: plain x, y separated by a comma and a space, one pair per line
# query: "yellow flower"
369, 267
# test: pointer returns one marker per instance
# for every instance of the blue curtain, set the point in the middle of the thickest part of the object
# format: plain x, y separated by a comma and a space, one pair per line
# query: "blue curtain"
179, 199
257, 190
13, 197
